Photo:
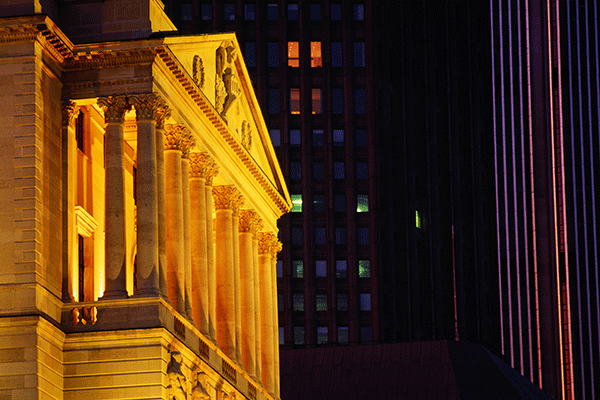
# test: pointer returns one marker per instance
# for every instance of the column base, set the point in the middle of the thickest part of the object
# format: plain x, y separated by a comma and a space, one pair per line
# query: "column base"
114, 295
147, 293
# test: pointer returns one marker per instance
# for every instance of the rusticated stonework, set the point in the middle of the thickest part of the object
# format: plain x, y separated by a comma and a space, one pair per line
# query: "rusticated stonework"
114, 108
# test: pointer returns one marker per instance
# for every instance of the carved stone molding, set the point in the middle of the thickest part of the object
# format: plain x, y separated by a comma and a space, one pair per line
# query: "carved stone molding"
225, 197
188, 141
246, 135
198, 71
199, 391
114, 108
276, 248
172, 137
238, 202
70, 110
177, 380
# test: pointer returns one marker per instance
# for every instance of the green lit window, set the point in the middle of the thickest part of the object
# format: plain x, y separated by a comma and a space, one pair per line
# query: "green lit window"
298, 302
296, 202
297, 269
321, 302
362, 203
364, 268
417, 220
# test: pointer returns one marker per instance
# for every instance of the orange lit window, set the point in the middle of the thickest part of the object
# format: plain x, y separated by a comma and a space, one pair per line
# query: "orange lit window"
315, 54
293, 55
316, 101
295, 101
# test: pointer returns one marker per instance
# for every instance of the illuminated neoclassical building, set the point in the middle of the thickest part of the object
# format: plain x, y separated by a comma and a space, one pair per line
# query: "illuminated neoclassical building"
139, 200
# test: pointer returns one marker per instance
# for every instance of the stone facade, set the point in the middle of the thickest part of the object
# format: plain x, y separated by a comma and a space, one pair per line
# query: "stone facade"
136, 178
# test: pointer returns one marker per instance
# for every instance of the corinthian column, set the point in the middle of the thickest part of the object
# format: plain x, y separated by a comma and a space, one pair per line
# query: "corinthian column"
187, 142
235, 221
211, 171
247, 231
146, 109
257, 304
174, 218
224, 198
114, 115
198, 239
162, 115
276, 247
265, 243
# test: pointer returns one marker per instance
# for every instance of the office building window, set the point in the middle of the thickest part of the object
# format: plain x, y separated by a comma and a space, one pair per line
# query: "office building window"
315, 12
338, 101
343, 336
319, 203
281, 335
295, 137
318, 137
321, 302
273, 54
279, 268
229, 12
363, 235
361, 138
298, 301
186, 11
320, 237
296, 170
322, 336
362, 170
297, 269
340, 202
296, 202
338, 170
250, 54
295, 101
321, 268
316, 101
362, 203
206, 10
272, 12
340, 236
273, 101
336, 12
297, 236
342, 301
365, 301
338, 137
249, 12
366, 334
336, 54
364, 268
298, 335
279, 301
360, 101
275, 137
315, 54
359, 54
292, 12
319, 170
293, 55
341, 269
359, 12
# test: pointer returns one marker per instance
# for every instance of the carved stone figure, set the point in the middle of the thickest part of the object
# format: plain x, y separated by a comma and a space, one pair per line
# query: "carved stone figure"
199, 391
177, 380
227, 85
246, 135
198, 71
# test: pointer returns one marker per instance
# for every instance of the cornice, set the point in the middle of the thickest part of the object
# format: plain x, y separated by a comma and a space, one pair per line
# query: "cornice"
109, 58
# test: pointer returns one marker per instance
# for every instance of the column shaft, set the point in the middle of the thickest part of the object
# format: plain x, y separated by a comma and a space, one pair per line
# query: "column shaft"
237, 284
275, 248
163, 113
187, 250
257, 307
210, 260
266, 325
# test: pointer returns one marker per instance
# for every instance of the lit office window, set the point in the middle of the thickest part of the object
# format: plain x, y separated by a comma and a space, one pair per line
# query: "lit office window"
275, 137
318, 137
249, 12
336, 54
315, 55
362, 203
339, 202
359, 54
319, 203
297, 269
417, 220
296, 170
364, 268
363, 235
338, 101
279, 268
321, 268
359, 12
320, 238
338, 137
340, 236
322, 336
272, 12
298, 302
292, 12
298, 335
273, 101
360, 101
295, 137
343, 336
295, 101
315, 12
319, 170
293, 55
362, 170
338, 170
296, 202
272, 54
321, 302
361, 137
342, 301
336, 12
228, 12
206, 10
341, 269
186, 11
365, 301
297, 236
316, 101
250, 54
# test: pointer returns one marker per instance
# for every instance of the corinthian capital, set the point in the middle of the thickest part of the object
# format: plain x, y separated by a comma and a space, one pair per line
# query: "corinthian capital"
265, 241
69, 111
226, 197
187, 142
203, 166
148, 106
250, 221
172, 138
114, 108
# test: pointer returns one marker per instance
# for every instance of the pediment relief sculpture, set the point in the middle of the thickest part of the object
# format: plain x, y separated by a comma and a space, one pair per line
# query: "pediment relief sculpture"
227, 83
177, 380
198, 71
199, 391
